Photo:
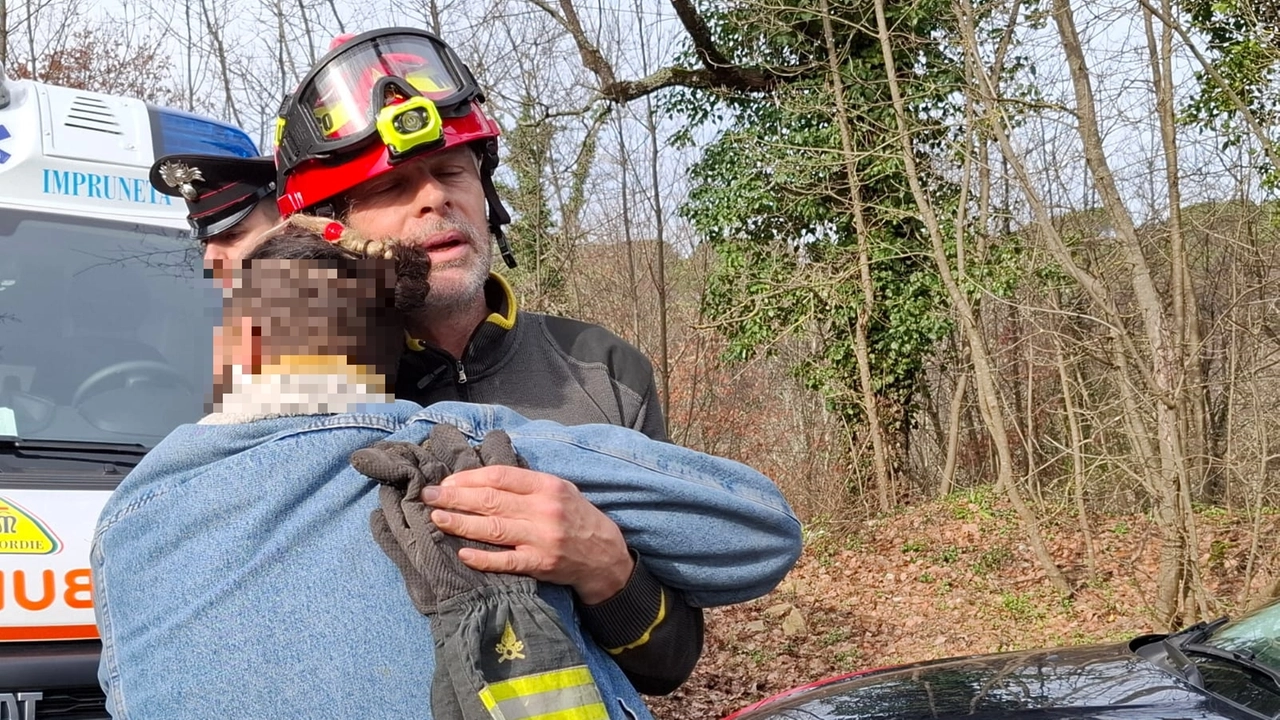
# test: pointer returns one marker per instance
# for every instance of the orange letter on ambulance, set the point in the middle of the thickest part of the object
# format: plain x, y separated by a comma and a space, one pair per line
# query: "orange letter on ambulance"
79, 594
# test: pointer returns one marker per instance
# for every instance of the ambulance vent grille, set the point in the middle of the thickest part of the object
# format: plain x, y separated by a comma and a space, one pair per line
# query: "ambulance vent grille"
89, 113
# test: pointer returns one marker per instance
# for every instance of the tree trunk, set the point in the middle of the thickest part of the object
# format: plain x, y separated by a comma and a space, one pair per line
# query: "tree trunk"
651, 125
880, 455
953, 435
1163, 348
1029, 425
306, 29
220, 56
4, 35
984, 381
1257, 508
624, 172
1077, 457
342, 28
431, 16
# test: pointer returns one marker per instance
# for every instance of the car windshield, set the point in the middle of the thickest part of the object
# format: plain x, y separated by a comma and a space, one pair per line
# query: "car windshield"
105, 329
1256, 635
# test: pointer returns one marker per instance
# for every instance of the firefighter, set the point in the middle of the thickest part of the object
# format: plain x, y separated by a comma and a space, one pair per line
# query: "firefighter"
387, 134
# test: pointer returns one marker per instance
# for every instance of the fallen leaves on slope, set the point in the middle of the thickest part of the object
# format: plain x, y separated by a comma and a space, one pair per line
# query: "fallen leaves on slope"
946, 579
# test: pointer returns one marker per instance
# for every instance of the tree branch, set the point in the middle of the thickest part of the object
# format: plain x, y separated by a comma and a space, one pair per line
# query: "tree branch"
592, 58
708, 53
717, 75
1254, 126
732, 79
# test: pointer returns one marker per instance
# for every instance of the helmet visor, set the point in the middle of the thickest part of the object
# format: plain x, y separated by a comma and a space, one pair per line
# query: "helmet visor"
343, 97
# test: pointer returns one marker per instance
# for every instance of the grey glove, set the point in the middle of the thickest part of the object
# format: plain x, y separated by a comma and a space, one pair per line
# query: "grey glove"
402, 469
501, 651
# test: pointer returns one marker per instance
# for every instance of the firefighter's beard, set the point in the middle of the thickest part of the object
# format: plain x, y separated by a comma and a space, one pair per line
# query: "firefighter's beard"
455, 282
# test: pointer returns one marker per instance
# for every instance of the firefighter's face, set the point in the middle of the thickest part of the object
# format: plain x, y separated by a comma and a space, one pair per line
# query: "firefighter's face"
436, 203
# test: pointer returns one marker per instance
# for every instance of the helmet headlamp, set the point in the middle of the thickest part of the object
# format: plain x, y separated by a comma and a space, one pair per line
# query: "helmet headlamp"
411, 125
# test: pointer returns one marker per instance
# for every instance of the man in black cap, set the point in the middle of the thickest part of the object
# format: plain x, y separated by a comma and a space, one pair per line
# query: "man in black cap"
231, 201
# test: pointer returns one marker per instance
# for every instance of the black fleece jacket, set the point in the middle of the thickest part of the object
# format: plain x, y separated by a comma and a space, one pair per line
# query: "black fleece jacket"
552, 368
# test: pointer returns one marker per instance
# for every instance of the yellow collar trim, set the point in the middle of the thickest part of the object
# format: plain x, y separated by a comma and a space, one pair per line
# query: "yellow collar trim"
506, 322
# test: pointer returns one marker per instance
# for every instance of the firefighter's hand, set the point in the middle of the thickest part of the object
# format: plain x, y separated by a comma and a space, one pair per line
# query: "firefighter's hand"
554, 533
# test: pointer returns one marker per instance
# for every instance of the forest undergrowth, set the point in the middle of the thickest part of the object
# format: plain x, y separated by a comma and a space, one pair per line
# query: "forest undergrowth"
946, 579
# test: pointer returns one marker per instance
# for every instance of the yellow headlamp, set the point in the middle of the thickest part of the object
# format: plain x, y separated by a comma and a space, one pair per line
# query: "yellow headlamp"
410, 124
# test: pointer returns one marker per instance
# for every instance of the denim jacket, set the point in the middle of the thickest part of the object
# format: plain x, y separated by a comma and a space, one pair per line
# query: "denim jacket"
235, 574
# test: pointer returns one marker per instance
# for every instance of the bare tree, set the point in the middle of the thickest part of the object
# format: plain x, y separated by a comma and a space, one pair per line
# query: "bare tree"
659, 225
4, 34
985, 381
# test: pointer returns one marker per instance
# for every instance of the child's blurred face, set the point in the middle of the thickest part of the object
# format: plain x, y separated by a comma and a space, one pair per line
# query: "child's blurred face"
298, 308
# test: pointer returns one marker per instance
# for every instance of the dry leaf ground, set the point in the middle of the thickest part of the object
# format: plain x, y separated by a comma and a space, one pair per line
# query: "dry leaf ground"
945, 579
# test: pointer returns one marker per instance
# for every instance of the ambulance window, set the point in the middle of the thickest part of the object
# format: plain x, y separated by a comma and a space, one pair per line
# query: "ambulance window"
105, 329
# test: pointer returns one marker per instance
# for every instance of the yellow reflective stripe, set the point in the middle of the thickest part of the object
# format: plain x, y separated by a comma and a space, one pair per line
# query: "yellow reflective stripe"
540, 683
423, 81
595, 711
330, 119
535, 697
486, 698
662, 614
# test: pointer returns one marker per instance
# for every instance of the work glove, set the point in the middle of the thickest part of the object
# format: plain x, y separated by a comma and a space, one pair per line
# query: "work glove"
501, 651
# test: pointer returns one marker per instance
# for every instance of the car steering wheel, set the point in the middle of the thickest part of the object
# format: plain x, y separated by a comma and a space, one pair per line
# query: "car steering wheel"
144, 368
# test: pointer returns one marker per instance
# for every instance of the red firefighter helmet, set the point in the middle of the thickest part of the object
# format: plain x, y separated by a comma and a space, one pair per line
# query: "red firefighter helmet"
374, 101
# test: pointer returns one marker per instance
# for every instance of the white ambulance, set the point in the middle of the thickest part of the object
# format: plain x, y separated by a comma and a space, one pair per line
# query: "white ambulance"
105, 326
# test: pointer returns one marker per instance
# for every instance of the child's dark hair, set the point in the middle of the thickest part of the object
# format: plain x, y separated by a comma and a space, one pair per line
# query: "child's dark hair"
316, 287
303, 237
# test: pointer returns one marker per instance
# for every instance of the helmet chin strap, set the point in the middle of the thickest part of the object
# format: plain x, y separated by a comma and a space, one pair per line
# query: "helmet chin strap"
498, 215
497, 218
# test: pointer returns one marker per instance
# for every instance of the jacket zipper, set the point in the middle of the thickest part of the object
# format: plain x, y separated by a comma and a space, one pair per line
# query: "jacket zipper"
462, 373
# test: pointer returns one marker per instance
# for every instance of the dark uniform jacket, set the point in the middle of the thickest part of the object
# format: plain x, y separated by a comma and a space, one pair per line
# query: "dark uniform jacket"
574, 373
543, 367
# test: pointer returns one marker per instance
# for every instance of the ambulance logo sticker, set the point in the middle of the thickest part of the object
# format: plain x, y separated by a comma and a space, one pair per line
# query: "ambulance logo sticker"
22, 533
